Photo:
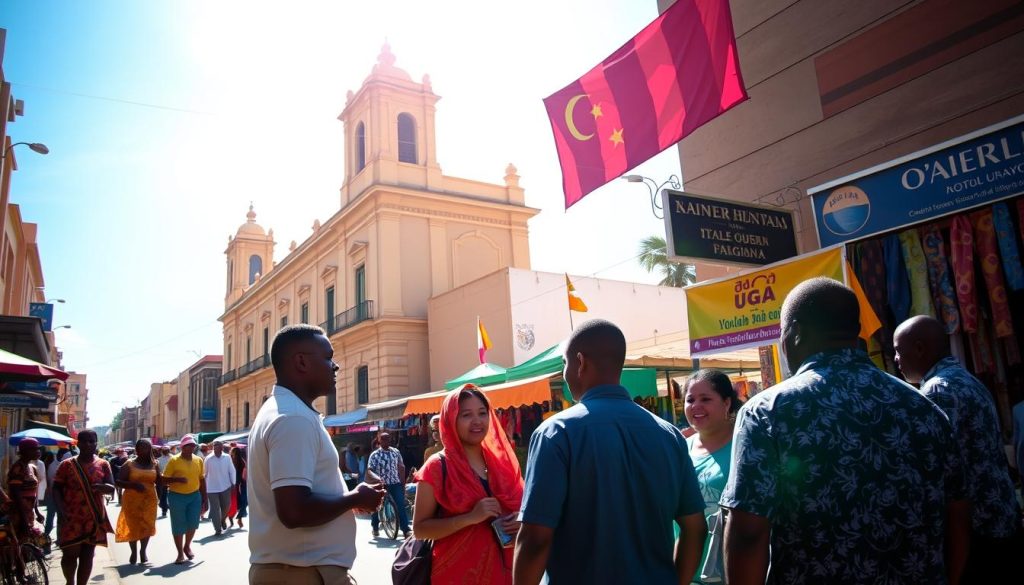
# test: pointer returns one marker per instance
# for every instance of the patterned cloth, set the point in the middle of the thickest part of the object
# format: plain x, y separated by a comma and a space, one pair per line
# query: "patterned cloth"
917, 273
80, 524
853, 468
943, 292
897, 288
972, 412
988, 256
137, 519
961, 244
385, 464
23, 479
870, 267
1008, 246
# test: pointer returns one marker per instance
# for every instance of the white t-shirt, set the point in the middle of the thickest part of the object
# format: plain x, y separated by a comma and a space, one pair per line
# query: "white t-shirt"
161, 462
219, 473
41, 475
289, 446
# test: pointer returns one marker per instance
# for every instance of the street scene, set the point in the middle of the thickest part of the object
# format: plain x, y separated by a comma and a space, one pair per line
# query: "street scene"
670, 291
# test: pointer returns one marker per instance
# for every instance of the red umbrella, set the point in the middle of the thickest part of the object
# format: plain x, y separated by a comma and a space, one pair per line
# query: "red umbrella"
15, 367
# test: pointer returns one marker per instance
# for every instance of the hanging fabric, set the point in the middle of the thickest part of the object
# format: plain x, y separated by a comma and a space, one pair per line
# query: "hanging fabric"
939, 278
917, 273
988, 256
870, 267
897, 287
981, 347
1008, 246
962, 256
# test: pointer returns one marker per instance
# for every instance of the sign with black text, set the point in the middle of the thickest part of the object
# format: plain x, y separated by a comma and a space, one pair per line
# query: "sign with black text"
703, 228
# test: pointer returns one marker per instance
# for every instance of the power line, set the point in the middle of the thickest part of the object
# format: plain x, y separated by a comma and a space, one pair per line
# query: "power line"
113, 99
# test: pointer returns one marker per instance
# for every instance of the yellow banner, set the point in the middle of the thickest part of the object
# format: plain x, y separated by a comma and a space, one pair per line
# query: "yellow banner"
744, 310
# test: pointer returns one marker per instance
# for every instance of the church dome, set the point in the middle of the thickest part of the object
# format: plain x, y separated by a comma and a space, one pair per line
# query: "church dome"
250, 227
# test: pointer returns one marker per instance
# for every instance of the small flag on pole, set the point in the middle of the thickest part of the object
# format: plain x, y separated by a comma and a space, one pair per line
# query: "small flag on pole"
678, 73
483, 341
575, 303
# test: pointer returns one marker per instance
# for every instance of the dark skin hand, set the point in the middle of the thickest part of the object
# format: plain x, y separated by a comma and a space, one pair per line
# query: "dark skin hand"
299, 507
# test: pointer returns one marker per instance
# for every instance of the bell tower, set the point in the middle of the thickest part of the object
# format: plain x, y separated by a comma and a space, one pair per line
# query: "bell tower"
250, 256
389, 131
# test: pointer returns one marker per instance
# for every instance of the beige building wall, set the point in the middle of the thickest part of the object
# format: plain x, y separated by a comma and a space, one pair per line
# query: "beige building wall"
837, 87
526, 312
76, 402
410, 232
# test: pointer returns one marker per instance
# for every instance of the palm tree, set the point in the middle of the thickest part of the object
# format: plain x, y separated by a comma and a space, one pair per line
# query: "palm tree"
653, 257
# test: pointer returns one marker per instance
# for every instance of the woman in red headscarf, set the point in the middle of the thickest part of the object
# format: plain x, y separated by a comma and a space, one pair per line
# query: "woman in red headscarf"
463, 489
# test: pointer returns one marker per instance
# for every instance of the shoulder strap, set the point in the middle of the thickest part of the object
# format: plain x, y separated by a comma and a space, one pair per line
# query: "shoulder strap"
444, 469
98, 513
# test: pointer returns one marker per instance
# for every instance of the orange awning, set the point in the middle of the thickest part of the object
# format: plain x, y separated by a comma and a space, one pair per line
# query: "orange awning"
507, 395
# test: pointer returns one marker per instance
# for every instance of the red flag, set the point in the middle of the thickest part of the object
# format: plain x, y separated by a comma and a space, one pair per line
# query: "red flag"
681, 71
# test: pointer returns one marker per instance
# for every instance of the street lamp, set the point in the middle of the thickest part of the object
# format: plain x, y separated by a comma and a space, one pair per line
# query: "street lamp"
653, 188
61, 301
34, 146
62, 327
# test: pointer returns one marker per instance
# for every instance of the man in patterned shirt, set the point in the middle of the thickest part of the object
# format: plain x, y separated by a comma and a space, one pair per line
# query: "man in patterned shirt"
922, 353
386, 466
843, 472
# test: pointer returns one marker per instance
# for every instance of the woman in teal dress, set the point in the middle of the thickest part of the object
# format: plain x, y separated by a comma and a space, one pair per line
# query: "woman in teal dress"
710, 405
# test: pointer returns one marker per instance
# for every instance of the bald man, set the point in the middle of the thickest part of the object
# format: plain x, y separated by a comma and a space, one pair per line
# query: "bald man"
605, 480
922, 353
842, 473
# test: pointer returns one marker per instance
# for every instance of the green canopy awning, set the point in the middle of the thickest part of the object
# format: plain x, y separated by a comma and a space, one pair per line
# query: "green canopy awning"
481, 375
640, 382
207, 437
548, 361
38, 424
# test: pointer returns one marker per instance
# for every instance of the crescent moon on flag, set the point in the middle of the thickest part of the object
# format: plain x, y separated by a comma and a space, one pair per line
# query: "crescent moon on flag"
569, 107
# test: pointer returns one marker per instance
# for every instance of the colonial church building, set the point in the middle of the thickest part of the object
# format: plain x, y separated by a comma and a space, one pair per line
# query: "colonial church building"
404, 233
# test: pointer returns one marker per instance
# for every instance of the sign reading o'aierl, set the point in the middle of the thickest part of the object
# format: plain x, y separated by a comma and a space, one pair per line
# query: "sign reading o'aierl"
704, 228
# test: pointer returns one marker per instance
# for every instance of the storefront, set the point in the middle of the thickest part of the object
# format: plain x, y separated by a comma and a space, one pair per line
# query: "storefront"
939, 233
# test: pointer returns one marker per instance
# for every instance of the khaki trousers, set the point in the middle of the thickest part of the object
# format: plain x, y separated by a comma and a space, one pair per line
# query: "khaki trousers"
280, 574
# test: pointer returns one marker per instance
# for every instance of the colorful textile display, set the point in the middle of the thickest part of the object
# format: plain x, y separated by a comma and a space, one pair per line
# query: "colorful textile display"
962, 256
943, 292
897, 288
917, 274
870, 264
1008, 246
988, 256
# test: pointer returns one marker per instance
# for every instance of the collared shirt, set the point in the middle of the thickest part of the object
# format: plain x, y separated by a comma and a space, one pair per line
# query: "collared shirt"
384, 463
853, 468
610, 478
289, 446
190, 469
220, 473
972, 412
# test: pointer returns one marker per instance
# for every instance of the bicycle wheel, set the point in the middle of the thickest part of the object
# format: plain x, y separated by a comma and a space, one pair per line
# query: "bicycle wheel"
35, 565
389, 517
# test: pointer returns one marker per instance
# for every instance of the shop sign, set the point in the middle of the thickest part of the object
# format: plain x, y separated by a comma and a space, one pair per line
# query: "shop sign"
44, 312
969, 171
41, 388
207, 414
704, 228
23, 401
362, 429
743, 310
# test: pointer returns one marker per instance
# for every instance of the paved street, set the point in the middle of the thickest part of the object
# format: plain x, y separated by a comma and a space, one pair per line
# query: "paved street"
223, 560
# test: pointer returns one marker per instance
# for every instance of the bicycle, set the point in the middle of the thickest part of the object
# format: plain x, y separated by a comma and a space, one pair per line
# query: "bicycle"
21, 563
388, 514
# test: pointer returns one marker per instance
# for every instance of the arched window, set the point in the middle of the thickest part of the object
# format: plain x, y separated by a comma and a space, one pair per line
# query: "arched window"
406, 139
255, 267
360, 147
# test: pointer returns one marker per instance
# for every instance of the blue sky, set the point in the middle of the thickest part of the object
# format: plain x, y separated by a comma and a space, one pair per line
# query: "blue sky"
164, 119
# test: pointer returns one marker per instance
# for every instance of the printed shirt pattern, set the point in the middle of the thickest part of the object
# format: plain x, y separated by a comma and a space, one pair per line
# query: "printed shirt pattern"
385, 464
853, 468
971, 411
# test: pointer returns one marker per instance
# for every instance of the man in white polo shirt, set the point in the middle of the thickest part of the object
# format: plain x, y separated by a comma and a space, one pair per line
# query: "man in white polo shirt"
302, 528
220, 480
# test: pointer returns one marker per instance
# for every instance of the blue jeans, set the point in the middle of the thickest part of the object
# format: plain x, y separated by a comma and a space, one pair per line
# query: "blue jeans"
397, 493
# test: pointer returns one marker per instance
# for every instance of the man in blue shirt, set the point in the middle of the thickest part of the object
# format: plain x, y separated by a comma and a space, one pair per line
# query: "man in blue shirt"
842, 473
605, 480
922, 352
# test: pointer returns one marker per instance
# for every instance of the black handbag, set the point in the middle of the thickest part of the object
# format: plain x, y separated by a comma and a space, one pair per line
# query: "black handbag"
413, 557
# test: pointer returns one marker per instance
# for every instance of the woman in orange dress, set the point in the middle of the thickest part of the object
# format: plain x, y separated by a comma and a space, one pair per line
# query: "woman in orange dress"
79, 491
474, 482
137, 521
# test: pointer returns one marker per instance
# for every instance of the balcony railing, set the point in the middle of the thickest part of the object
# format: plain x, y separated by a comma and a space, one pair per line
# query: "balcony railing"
354, 316
228, 376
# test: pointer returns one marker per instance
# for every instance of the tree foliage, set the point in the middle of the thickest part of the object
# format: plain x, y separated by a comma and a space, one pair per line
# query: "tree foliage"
654, 257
